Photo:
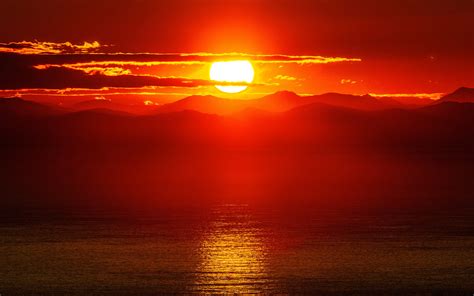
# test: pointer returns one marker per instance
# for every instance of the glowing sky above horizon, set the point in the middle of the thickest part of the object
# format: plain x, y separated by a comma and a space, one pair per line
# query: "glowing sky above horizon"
305, 46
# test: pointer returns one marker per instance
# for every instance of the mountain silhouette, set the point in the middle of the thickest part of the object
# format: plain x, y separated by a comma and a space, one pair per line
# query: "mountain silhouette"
365, 102
281, 101
461, 95
14, 109
94, 104
406, 102
109, 104
453, 111
110, 158
278, 102
205, 104
285, 100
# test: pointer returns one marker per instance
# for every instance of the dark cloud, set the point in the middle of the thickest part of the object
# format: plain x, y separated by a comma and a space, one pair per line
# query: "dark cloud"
18, 73
53, 65
35, 47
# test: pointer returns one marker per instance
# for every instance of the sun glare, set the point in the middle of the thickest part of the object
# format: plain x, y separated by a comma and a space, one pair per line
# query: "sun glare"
232, 71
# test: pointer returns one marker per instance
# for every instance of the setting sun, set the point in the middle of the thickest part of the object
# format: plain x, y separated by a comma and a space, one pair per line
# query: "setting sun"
232, 71
214, 147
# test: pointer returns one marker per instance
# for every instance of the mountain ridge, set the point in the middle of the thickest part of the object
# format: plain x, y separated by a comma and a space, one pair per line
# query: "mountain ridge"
461, 95
281, 101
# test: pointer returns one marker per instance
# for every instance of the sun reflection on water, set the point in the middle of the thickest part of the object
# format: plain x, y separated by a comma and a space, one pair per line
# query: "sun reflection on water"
233, 253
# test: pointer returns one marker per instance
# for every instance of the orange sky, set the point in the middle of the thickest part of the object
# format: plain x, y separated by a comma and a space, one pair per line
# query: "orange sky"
384, 47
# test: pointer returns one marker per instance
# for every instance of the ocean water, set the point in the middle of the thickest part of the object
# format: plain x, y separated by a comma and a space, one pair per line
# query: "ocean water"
237, 248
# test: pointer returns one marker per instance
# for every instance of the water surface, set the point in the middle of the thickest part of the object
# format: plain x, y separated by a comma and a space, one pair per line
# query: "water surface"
236, 248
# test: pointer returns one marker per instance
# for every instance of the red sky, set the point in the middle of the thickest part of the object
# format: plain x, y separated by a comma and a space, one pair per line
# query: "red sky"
404, 46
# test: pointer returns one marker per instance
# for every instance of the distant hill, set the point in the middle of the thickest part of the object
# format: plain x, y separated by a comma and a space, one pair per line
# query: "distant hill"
408, 102
278, 102
461, 95
285, 100
206, 104
365, 102
16, 108
94, 104
312, 153
109, 104
307, 121
451, 111
281, 101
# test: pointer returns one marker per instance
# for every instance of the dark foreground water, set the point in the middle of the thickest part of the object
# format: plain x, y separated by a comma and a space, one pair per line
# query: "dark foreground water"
238, 249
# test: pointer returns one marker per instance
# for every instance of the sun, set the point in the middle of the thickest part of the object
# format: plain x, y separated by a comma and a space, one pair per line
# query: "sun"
232, 71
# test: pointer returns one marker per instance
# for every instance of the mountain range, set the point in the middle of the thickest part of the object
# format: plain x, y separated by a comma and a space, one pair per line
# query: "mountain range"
330, 150
462, 95
278, 102
354, 120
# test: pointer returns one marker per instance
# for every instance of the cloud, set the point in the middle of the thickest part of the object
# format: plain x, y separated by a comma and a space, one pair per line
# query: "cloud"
48, 65
107, 71
348, 81
35, 47
91, 54
102, 98
17, 72
62, 78
432, 96
156, 59
285, 77
105, 91
149, 103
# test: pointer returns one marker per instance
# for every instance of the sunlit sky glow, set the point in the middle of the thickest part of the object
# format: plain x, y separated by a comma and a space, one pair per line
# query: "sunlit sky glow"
160, 51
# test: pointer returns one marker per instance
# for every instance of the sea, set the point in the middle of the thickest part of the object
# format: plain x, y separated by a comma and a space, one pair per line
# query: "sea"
237, 249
